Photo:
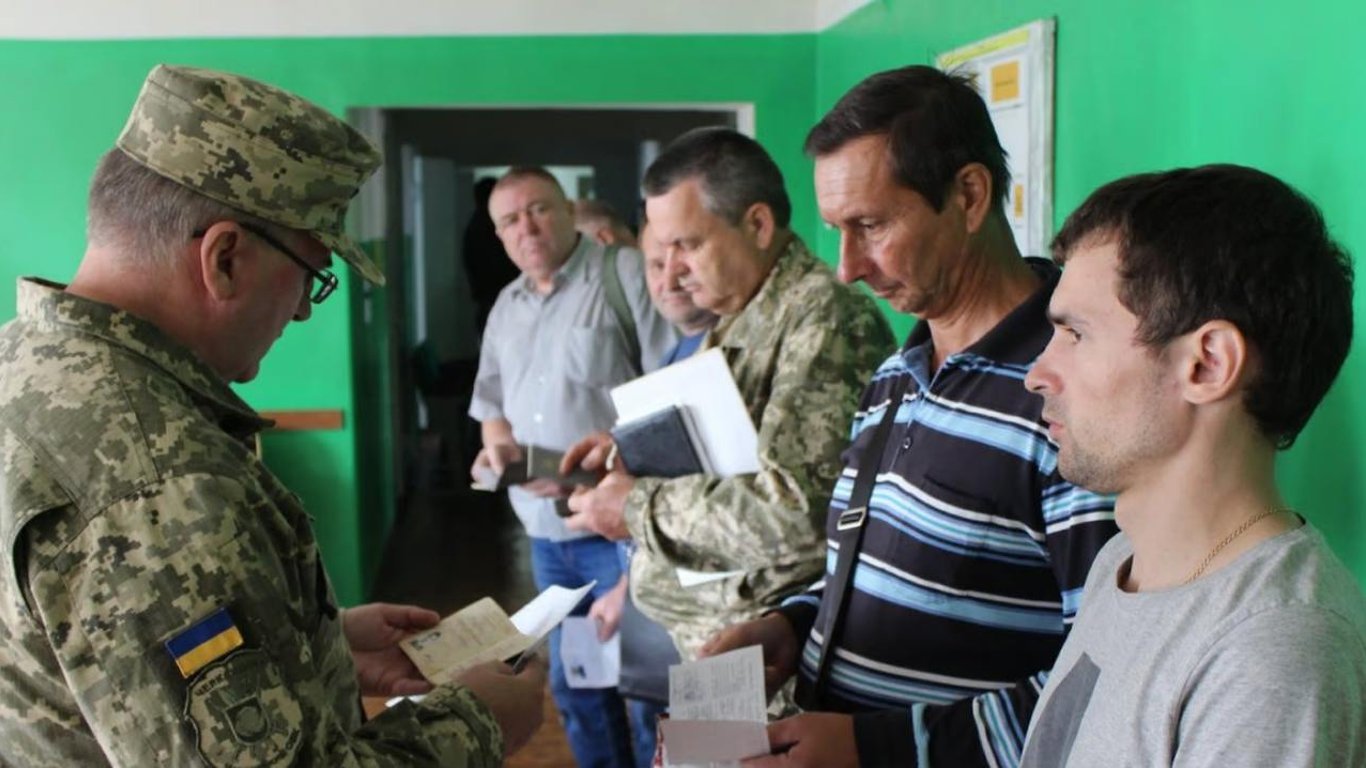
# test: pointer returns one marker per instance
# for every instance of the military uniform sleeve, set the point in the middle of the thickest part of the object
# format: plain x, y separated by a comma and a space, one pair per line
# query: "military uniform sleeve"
989, 729
801, 609
125, 594
773, 517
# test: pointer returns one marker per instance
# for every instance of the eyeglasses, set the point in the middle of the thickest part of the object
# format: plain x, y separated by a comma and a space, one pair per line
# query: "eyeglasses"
321, 282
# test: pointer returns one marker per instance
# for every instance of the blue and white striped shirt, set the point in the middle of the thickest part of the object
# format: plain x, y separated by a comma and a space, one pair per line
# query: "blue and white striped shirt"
973, 559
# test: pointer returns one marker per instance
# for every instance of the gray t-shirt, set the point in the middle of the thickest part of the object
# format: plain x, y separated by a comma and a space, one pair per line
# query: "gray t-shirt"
1261, 663
548, 362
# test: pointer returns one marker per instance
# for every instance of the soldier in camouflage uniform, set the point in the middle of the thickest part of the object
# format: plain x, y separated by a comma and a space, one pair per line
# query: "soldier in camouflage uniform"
800, 346
162, 601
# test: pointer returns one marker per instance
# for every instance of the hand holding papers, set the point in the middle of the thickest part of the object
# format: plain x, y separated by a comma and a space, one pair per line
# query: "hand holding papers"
538, 464
696, 399
717, 712
589, 662
481, 632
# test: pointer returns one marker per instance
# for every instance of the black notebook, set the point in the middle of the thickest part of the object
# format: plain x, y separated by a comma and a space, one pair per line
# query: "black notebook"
658, 445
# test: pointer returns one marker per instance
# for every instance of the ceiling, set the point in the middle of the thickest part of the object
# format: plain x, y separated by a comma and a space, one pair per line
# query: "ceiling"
101, 19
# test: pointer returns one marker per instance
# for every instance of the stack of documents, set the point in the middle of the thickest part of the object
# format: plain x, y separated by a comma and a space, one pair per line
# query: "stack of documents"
689, 413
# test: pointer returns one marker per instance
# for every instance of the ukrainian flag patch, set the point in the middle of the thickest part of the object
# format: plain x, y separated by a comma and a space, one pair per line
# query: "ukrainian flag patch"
210, 638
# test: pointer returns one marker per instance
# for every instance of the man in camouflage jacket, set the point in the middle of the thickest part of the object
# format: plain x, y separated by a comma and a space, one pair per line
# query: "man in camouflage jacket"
800, 346
162, 601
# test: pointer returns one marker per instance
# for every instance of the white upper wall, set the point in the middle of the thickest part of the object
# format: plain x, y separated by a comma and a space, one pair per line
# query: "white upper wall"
101, 19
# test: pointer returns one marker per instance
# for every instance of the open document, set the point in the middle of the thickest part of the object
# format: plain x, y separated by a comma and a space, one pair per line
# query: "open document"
694, 399
482, 632
717, 713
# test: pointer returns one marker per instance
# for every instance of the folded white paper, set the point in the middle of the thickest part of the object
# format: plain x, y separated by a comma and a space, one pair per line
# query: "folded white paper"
688, 578
587, 661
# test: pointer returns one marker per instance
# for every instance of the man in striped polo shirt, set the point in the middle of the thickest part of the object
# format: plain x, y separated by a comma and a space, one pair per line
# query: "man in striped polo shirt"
974, 549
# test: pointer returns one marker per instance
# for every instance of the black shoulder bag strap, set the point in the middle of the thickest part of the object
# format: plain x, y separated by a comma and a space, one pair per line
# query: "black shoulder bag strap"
849, 534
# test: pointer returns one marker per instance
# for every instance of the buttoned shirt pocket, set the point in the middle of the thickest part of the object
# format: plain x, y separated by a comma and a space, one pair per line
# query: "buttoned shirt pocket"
960, 519
595, 357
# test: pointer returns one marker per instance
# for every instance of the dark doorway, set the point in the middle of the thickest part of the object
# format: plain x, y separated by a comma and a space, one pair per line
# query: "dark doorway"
416, 342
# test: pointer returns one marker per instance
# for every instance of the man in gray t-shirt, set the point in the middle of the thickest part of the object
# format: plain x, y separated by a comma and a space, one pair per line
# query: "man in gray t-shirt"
1201, 316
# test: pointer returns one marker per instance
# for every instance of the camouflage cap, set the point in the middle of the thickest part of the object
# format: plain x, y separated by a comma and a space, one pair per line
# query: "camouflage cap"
256, 148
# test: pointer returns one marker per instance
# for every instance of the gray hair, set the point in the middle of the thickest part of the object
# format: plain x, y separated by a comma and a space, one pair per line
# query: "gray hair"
145, 216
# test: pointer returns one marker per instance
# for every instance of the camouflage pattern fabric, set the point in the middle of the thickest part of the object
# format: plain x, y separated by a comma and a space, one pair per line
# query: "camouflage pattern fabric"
801, 352
131, 507
256, 148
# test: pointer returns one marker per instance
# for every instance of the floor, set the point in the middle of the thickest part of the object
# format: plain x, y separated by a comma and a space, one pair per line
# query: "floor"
451, 547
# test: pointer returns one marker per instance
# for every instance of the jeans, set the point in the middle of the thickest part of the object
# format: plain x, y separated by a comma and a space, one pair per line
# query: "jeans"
644, 716
594, 718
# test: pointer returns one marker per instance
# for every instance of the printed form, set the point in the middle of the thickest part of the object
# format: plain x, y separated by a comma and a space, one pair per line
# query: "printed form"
717, 710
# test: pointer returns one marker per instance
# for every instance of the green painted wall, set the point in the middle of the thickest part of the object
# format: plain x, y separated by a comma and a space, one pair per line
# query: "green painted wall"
66, 102
1145, 85
1140, 85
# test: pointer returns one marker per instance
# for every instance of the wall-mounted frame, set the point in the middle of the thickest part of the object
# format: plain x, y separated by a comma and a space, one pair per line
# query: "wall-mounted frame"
1014, 73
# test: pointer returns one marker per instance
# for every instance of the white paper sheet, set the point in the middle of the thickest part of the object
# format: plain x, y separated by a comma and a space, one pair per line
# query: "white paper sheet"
589, 662
717, 710
688, 578
548, 609
704, 384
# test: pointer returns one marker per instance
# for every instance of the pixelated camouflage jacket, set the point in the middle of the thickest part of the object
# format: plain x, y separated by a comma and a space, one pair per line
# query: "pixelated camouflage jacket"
131, 507
801, 352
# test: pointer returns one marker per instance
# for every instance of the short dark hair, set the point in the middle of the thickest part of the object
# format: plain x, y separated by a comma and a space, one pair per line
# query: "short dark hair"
1232, 243
734, 170
519, 172
935, 123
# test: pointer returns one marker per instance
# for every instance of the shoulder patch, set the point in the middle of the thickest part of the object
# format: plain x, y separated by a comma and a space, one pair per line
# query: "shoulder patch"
242, 714
207, 640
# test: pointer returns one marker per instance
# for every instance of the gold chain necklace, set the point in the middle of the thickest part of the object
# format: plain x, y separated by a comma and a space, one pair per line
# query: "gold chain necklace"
1239, 531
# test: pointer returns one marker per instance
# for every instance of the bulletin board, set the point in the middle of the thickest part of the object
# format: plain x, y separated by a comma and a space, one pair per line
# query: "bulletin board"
1013, 71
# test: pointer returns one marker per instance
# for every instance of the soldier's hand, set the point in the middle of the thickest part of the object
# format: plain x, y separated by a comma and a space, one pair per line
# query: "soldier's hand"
517, 701
774, 634
589, 454
373, 632
810, 740
602, 510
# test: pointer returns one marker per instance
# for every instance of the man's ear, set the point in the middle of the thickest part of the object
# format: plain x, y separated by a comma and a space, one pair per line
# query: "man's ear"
1215, 358
759, 225
973, 188
221, 253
